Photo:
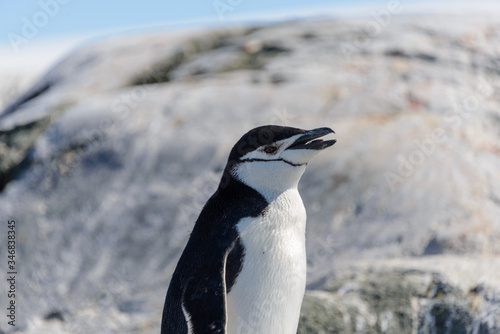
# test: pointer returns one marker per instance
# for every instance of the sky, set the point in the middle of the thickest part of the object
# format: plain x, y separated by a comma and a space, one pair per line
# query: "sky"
73, 17
35, 33
46, 29
51, 19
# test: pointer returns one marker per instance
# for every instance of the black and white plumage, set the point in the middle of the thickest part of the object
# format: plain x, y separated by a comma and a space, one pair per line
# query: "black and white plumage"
244, 267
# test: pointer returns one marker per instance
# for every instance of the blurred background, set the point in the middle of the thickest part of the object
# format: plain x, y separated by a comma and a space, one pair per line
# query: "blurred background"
116, 120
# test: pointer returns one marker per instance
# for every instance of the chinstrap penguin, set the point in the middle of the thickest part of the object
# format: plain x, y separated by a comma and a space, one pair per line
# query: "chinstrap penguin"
244, 267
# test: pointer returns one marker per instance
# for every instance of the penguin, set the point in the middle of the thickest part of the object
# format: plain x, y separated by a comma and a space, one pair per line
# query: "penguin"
243, 269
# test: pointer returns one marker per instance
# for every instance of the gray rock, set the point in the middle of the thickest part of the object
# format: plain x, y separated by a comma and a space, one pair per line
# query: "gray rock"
398, 301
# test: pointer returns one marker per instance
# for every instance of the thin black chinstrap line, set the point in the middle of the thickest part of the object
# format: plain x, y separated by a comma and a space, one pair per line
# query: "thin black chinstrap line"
264, 160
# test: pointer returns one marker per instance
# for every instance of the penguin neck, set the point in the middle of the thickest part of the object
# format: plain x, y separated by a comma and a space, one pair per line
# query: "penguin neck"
268, 181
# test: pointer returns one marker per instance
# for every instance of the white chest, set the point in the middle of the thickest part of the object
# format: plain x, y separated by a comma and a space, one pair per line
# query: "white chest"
268, 292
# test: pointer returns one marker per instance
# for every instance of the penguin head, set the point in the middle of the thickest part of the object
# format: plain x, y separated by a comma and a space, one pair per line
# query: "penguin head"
272, 158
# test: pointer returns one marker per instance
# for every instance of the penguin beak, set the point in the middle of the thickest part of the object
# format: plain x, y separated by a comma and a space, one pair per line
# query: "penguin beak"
307, 140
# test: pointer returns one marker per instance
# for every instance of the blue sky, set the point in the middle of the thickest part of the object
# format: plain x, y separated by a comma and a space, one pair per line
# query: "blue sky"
57, 18
35, 33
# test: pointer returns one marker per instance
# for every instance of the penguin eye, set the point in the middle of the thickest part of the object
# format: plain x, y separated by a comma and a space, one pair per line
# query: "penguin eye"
270, 149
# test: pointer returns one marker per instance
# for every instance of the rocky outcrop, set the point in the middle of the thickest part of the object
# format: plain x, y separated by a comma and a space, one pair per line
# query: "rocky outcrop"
106, 162
391, 299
